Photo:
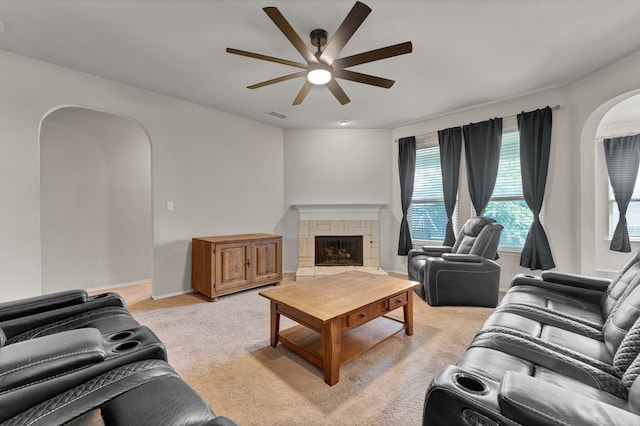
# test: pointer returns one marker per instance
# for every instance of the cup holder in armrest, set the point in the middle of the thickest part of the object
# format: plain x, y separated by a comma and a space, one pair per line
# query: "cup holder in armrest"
121, 335
470, 383
99, 296
126, 346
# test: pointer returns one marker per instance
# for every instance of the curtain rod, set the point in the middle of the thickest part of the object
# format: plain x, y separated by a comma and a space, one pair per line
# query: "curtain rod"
557, 107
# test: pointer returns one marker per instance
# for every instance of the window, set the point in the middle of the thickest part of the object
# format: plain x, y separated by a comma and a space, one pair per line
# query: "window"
507, 205
633, 212
427, 216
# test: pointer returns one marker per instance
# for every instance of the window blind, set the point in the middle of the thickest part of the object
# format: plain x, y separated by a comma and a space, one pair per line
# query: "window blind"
427, 215
507, 205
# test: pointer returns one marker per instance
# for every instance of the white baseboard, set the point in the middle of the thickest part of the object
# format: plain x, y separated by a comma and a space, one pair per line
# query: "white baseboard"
175, 293
110, 286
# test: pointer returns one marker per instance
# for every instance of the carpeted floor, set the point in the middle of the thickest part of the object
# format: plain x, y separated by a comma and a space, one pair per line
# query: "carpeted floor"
222, 350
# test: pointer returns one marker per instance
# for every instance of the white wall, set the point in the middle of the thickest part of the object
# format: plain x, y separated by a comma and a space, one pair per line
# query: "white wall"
95, 200
608, 262
592, 98
339, 166
227, 174
224, 173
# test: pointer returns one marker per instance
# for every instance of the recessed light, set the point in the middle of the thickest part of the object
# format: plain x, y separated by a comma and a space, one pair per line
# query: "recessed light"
343, 122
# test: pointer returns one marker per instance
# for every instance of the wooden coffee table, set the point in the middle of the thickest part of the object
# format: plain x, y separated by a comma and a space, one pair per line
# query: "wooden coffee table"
341, 316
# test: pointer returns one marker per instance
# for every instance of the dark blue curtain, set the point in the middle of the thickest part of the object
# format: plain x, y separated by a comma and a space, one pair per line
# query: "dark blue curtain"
407, 167
535, 146
622, 155
482, 143
450, 142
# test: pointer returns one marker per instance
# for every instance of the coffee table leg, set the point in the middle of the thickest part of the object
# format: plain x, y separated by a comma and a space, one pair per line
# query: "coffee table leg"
331, 345
275, 323
408, 313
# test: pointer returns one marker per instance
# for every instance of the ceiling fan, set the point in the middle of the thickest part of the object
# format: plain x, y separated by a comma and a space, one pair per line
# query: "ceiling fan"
324, 67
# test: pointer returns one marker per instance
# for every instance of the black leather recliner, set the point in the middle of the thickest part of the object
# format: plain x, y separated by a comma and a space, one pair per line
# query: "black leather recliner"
147, 392
67, 358
47, 314
561, 349
463, 274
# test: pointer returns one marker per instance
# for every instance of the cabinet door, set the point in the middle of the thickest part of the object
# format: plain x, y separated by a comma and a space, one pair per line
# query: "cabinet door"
267, 260
233, 265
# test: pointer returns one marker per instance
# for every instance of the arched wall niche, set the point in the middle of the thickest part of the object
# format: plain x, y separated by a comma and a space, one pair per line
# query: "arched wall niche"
596, 258
95, 191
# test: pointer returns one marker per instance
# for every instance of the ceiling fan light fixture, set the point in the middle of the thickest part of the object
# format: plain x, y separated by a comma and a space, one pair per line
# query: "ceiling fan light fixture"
319, 75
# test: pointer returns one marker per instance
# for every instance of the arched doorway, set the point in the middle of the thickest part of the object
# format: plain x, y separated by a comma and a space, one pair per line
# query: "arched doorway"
604, 121
95, 200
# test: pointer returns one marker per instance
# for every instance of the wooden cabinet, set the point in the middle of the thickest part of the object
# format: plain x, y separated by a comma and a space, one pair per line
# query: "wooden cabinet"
227, 264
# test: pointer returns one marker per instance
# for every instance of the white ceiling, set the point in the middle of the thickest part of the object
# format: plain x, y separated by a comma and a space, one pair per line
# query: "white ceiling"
466, 53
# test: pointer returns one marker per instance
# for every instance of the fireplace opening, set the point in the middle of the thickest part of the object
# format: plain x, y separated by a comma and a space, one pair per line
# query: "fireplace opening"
338, 250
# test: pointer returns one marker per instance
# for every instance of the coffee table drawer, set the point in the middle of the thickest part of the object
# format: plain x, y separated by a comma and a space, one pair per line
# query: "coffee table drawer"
367, 313
396, 301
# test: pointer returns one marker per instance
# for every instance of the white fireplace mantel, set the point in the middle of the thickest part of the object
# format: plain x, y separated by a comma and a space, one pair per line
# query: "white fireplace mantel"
338, 211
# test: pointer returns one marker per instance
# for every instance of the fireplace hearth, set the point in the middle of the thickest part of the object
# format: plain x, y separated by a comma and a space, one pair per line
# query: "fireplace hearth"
338, 250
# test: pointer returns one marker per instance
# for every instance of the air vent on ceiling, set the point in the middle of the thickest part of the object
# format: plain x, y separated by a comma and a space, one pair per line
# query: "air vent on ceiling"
276, 114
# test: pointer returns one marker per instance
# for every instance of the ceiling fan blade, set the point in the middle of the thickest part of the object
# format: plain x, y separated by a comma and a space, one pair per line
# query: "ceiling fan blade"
373, 55
337, 91
351, 23
278, 80
364, 78
290, 34
266, 58
302, 93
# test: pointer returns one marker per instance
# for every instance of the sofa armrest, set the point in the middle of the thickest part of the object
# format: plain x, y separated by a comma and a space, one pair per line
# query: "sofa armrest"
527, 400
37, 304
575, 280
436, 251
19, 325
34, 360
467, 258
583, 287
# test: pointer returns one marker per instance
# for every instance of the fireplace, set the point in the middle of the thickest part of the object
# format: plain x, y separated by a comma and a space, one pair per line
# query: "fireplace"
337, 250
338, 221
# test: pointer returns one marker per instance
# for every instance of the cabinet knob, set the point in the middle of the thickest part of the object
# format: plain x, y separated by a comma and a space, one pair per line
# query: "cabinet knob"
362, 315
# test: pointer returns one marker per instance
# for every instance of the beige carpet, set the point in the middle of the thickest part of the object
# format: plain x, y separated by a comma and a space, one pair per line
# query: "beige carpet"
222, 350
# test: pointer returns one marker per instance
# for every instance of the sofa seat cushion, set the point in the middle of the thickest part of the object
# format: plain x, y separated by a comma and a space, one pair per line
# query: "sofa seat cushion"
514, 322
591, 348
573, 385
555, 303
493, 364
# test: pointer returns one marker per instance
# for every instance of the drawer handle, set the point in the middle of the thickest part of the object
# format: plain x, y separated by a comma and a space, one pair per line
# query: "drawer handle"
362, 315
398, 301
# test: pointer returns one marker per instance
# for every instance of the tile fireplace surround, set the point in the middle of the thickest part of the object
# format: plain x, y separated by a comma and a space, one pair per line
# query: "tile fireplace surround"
337, 220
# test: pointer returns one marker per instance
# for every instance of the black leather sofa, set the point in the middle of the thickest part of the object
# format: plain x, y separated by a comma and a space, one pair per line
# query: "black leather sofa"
561, 349
71, 359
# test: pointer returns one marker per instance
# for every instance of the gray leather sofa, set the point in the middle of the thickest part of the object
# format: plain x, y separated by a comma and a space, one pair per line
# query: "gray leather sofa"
561, 349
70, 359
